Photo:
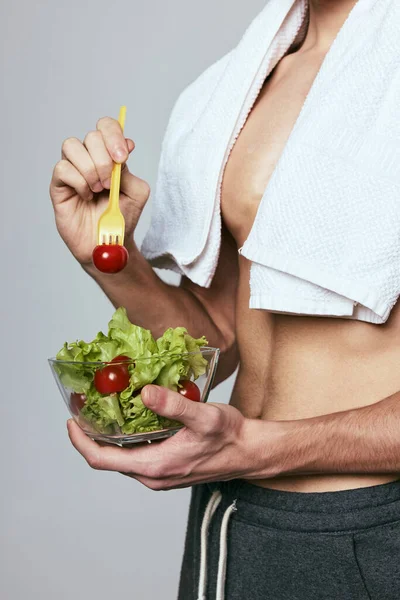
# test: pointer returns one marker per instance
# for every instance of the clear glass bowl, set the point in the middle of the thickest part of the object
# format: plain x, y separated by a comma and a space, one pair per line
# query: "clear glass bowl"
114, 433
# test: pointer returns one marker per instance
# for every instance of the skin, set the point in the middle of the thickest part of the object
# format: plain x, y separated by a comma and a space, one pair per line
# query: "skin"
316, 401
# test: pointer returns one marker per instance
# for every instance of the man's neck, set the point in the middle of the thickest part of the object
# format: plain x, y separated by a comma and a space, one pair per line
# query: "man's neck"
326, 19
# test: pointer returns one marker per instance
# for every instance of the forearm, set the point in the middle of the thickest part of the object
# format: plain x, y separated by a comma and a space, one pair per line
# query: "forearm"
156, 305
363, 440
150, 302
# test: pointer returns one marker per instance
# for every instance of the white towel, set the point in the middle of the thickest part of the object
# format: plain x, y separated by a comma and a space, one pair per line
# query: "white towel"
326, 239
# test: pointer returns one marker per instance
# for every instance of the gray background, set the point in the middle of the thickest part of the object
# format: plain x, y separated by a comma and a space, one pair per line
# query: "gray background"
68, 532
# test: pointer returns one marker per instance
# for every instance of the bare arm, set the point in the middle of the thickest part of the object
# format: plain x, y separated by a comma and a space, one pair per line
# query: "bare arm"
361, 440
79, 192
156, 305
219, 443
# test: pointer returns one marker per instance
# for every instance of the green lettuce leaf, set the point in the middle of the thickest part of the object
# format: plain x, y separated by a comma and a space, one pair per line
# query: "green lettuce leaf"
172, 341
160, 362
172, 372
178, 341
133, 341
99, 413
75, 377
109, 405
197, 362
142, 372
141, 419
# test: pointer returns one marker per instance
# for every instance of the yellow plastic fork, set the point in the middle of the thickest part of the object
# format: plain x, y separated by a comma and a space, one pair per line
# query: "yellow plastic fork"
111, 227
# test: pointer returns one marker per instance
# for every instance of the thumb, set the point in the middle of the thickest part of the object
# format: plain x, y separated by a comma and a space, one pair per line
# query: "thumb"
135, 188
166, 403
131, 144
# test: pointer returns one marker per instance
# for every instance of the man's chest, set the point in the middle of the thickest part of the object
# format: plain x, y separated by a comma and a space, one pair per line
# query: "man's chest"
261, 142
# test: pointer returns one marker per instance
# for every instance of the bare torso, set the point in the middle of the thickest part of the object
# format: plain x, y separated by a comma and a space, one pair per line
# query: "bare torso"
294, 367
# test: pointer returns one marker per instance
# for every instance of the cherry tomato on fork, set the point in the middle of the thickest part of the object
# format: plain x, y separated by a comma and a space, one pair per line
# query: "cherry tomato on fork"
110, 258
189, 390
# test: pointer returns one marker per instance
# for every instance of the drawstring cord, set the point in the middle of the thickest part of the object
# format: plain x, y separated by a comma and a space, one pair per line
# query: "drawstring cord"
212, 506
223, 551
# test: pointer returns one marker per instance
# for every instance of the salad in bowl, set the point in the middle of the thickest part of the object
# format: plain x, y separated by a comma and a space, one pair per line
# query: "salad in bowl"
101, 380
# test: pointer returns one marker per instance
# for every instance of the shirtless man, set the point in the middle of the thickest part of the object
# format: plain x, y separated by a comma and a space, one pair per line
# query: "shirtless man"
305, 416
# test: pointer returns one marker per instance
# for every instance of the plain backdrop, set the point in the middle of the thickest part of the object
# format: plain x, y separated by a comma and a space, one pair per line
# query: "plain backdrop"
67, 532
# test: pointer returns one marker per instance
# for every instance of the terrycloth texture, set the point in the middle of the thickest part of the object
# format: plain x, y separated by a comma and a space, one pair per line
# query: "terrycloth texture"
326, 239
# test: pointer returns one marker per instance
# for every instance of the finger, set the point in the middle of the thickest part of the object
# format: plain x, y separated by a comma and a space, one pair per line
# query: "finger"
75, 152
131, 144
111, 458
113, 138
166, 403
159, 485
135, 188
65, 174
100, 156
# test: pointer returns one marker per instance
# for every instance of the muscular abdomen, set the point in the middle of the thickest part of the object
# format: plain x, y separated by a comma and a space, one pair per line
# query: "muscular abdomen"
296, 367
293, 366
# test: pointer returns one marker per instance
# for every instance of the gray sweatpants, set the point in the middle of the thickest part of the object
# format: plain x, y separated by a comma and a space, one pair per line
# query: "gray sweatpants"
296, 546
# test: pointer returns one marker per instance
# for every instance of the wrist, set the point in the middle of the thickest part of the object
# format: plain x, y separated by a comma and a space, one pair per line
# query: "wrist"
273, 448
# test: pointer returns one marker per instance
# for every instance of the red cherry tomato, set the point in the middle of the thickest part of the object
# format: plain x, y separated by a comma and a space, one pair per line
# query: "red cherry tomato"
111, 379
110, 258
189, 390
122, 359
77, 402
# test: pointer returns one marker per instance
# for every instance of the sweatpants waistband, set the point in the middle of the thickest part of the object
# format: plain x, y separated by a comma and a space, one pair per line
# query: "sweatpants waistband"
345, 510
